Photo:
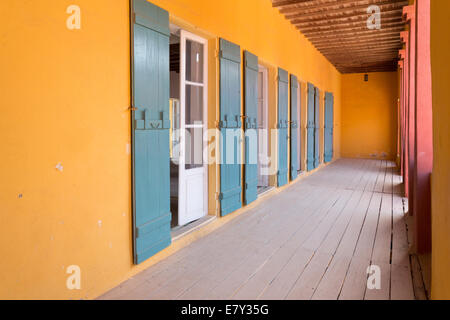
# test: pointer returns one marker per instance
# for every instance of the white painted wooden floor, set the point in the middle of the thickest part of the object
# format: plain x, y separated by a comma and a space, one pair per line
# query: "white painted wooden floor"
315, 240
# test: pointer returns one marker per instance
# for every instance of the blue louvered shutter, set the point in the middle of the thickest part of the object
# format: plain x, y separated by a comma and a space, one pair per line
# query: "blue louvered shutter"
230, 127
329, 127
251, 127
294, 127
317, 128
310, 127
283, 124
150, 130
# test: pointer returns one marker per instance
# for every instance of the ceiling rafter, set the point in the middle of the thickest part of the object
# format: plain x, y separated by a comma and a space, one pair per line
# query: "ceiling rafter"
338, 29
353, 9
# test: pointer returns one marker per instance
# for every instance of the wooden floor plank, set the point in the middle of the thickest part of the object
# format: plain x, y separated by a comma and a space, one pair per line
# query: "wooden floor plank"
352, 210
418, 283
400, 245
331, 284
388, 182
383, 293
355, 282
382, 246
349, 241
308, 281
381, 177
229, 286
401, 283
366, 239
397, 182
254, 287
285, 280
263, 277
313, 240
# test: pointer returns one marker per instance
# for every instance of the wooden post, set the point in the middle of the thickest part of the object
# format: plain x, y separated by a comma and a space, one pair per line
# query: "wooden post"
409, 14
404, 53
400, 142
423, 130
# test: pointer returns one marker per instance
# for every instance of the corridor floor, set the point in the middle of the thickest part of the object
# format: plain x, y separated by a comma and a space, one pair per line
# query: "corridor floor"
314, 240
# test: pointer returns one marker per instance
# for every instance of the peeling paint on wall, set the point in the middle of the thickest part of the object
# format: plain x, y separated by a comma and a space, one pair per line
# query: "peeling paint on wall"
60, 167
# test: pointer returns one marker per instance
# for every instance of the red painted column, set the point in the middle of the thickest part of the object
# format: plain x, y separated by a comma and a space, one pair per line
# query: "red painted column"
423, 130
403, 107
400, 115
398, 125
409, 13
404, 53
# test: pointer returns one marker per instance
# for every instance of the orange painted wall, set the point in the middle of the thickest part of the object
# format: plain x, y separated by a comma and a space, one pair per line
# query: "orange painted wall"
440, 48
369, 115
64, 100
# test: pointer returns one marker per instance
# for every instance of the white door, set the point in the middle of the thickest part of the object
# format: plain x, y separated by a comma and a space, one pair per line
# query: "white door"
193, 177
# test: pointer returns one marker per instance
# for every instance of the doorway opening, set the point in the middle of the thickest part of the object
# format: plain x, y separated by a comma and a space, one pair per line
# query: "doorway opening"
188, 115
263, 131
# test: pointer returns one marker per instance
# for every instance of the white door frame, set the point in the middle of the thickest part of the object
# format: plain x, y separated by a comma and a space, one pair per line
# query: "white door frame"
183, 173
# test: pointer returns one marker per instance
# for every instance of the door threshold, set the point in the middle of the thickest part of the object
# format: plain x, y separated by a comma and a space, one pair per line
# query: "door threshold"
181, 231
264, 191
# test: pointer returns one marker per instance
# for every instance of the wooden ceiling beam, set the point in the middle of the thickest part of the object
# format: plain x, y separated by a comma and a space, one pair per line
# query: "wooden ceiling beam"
393, 46
359, 55
374, 66
389, 17
381, 64
330, 20
353, 29
365, 37
374, 56
352, 54
334, 3
356, 41
357, 60
358, 44
362, 50
289, 3
346, 71
338, 30
353, 9
344, 35
347, 24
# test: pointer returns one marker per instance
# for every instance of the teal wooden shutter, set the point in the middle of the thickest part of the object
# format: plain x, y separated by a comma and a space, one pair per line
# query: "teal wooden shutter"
230, 127
329, 127
310, 127
283, 123
150, 130
251, 127
294, 127
317, 128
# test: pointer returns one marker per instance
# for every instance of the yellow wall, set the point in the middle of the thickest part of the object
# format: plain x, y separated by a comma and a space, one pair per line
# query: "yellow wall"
65, 96
369, 115
440, 48
64, 100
